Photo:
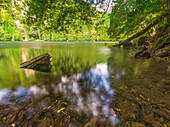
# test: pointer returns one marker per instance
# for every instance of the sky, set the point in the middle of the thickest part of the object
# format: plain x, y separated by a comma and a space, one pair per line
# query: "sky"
103, 6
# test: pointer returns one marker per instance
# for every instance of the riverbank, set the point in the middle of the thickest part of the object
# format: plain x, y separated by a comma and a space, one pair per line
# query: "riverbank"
151, 45
92, 43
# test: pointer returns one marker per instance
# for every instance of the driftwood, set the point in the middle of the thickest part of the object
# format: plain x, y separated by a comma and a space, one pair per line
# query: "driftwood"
39, 63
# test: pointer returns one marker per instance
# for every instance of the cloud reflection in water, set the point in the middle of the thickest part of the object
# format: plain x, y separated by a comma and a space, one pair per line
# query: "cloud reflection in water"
3, 94
20, 94
89, 93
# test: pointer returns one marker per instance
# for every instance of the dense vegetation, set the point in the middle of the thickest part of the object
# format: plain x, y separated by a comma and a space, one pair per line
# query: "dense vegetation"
88, 85
142, 25
51, 20
78, 20
130, 16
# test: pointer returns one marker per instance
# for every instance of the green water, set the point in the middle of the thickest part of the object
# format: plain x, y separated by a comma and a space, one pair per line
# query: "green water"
67, 59
83, 75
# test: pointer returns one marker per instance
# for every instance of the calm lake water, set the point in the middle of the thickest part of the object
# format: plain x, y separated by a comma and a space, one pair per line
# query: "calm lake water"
80, 86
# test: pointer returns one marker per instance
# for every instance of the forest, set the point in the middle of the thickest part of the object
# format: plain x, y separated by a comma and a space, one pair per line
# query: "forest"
84, 63
144, 24
59, 20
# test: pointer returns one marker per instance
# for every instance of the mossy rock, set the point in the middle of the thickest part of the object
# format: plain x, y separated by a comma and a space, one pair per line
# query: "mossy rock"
167, 59
164, 52
139, 53
161, 43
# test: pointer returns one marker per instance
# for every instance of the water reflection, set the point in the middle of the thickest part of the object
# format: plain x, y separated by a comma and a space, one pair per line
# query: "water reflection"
125, 70
3, 94
66, 60
78, 89
87, 93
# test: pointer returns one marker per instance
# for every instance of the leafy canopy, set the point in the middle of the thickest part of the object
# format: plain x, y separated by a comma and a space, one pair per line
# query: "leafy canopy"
59, 15
129, 16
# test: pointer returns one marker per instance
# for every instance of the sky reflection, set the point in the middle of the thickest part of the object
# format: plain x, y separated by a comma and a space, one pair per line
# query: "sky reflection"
89, 93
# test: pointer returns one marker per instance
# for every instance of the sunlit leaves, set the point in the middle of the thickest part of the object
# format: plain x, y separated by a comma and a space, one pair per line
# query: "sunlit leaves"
129, 16
60, 15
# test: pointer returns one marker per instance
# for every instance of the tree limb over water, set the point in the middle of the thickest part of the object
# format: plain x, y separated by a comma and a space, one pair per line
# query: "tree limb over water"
153, 23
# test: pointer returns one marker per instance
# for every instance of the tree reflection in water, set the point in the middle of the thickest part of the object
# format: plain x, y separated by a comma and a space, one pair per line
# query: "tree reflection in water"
72, 101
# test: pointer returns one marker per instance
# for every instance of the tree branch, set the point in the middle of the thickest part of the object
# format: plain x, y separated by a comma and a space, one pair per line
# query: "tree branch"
153, 23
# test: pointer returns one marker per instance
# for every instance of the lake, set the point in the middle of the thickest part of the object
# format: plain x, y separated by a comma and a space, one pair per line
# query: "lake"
88, 84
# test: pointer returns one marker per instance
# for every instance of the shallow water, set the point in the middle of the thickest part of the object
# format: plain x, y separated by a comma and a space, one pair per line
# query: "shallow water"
80, 87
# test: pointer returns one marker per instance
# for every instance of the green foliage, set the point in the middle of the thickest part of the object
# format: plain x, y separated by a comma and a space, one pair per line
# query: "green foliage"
76, 19
4, 35
60, 15
65, 61
18, 36
53, 20
131, 16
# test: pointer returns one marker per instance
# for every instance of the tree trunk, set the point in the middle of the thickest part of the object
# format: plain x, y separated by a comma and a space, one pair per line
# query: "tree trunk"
153, 23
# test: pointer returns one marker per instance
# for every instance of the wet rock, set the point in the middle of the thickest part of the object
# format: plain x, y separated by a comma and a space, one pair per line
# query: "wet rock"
136, 124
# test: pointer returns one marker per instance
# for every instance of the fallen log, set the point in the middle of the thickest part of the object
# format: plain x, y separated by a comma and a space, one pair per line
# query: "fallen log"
153, 23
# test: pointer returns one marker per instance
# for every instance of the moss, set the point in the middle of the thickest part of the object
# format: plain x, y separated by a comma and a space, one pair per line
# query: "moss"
157, 46
141, 41
167, 48
161, 43
167, 59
